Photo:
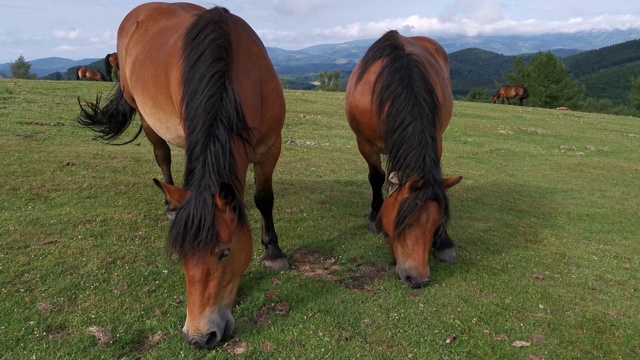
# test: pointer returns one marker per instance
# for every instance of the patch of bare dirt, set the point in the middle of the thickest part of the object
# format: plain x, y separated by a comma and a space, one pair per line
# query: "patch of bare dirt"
267, 313
153, 341
103, 336
56, 334
38, 123
537, 339
237, 347
303, 143
352, 276
45, 309
50, 242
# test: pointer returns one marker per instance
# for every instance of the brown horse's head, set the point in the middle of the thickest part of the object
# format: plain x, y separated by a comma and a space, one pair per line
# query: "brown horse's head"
411, 244
213, 277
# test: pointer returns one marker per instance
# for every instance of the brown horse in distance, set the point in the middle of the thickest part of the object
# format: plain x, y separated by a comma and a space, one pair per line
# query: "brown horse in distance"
510, 92
89, 74
220, 99
399, 103
111, 66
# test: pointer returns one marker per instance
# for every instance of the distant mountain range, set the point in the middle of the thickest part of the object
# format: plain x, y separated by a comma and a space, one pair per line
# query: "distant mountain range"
344, 56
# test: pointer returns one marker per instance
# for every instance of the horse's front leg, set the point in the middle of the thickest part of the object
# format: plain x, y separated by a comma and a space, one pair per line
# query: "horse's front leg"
444, 249
274, 258
376, 180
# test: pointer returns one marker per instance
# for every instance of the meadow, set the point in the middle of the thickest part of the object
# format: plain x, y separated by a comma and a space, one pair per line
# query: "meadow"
545, 220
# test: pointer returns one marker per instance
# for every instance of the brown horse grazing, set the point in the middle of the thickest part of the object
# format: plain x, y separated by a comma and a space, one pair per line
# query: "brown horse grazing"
220, 99
89, 74
399, 102
510, 92
111, 66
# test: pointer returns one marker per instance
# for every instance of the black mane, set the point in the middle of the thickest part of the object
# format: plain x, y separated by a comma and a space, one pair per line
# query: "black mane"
213, 117
407, 103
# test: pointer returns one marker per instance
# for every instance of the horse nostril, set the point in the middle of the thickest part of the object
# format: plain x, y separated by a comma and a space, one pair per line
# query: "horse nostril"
208, 341
212, 340
409, 280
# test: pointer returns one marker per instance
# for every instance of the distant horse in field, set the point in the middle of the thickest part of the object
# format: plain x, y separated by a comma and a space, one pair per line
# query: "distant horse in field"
399, 103
89, 74
202, 80
510, 92
111, 66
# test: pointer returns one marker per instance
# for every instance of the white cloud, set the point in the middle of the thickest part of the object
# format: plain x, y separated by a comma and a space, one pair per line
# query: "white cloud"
64, 48
68, 34
302, 7
415, 24
275, 35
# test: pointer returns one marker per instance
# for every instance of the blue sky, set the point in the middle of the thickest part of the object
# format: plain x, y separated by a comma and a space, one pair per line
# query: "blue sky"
87, 29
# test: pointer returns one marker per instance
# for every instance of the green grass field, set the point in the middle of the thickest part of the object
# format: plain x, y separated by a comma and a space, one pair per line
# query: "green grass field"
546, 220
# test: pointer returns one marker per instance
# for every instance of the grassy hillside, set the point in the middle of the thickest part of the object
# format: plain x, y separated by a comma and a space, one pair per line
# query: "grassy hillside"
545, 222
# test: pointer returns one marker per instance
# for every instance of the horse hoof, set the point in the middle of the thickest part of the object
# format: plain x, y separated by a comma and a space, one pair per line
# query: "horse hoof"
277, 264
447, 256
373, 228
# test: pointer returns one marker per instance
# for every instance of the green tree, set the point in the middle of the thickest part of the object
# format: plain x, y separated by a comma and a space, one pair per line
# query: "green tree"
477, 95
20, 69
284, 83
329, 81
548, 80
634, 94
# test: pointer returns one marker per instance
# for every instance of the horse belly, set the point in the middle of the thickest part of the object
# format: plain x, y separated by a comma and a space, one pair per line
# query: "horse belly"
165, 122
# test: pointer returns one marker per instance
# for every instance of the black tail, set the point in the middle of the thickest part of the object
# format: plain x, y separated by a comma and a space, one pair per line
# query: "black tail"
107, 68
78, 74
213, 118
109, 121
525, 93
408, 106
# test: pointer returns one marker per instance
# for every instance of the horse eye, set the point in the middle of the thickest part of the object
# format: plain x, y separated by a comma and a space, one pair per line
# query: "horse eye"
224, 253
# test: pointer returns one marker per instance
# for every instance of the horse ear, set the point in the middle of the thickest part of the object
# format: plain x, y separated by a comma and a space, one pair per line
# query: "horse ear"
416, 184
451, 182
226, 197
174, 195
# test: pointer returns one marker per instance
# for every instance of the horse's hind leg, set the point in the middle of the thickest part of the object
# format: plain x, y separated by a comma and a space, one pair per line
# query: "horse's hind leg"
274, 258
161, 151
376, 180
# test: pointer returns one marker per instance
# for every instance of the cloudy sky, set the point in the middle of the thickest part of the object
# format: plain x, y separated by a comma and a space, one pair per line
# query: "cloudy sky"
78, 29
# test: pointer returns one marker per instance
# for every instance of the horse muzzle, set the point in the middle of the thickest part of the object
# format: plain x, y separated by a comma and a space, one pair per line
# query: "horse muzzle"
415, 282
217, 329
